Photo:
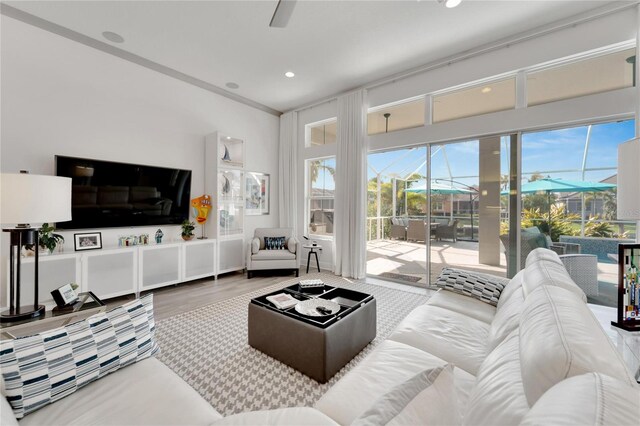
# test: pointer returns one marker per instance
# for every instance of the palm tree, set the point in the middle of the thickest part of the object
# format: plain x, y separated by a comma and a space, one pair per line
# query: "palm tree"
318, 165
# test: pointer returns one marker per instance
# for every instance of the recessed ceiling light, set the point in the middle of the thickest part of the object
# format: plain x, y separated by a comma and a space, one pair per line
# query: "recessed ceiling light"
232, 85
289, 74
486, 89
228, 138
113, 37
452, 3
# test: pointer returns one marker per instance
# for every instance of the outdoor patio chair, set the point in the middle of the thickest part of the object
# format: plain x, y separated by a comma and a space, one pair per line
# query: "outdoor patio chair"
532, 238
447, 231
583, 270
416, 231
399, 228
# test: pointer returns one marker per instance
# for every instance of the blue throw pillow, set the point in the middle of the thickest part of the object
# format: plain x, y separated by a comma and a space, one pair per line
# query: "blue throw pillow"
274, 243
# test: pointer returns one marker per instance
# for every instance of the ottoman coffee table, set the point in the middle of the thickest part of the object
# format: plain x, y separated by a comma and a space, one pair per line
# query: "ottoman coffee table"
316, 346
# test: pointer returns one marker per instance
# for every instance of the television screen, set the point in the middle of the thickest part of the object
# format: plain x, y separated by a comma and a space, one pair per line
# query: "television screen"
108, 194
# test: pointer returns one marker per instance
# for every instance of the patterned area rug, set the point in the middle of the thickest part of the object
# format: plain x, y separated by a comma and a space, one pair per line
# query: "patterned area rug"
208, 348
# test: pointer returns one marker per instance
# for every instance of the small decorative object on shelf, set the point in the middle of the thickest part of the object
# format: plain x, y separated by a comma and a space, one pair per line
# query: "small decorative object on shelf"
226, 186
628, 287
226, 157
143, 239
159, 235
201, 208
87, 241
187, 230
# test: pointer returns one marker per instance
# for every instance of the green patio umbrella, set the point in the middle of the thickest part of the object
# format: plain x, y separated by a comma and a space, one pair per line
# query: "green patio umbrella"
550, 185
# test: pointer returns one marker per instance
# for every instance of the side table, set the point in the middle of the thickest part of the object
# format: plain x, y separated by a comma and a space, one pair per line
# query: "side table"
313, 249
87, 304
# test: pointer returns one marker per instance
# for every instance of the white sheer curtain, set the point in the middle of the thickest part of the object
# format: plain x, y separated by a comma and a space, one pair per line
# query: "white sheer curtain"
351, 184
288, 170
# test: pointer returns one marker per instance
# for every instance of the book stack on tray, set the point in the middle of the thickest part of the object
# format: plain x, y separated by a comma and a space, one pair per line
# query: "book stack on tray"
282, 300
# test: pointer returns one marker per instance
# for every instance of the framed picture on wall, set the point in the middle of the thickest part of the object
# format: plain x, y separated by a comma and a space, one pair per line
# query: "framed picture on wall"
87, 241
256, 193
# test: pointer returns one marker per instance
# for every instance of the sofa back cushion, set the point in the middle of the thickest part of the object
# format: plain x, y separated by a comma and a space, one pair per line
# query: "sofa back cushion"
549, 273
507, 317
589, 399
43, 368
560, 338
498, 397
543, 255
260, 233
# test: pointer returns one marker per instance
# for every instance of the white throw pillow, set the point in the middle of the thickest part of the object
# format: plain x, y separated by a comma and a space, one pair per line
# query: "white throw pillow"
255, 245
428, 398
292, 245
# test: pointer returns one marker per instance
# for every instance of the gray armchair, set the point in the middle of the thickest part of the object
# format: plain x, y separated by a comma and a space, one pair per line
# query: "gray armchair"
532, 238
416, 230
261, 259
447, 231
399, 228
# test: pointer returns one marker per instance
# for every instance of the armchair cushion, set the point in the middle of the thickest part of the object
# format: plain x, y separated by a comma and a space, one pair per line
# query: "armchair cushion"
255, 245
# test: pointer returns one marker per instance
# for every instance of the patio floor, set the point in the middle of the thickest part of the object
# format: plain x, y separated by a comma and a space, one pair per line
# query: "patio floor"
406, 261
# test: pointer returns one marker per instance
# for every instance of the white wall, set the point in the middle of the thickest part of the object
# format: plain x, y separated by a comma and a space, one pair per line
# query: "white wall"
61, 97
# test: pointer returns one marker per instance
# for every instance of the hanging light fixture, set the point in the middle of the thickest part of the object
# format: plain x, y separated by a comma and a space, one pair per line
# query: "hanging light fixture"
386, 116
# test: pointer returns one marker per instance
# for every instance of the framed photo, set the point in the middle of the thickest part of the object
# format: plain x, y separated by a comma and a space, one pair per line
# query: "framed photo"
64, 295
87, 241
256, 193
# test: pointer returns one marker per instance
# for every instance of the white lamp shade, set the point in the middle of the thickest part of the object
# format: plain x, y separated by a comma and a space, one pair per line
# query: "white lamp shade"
34, 199
629, 180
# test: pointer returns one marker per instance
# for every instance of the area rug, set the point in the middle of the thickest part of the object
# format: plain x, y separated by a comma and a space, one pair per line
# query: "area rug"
208, 348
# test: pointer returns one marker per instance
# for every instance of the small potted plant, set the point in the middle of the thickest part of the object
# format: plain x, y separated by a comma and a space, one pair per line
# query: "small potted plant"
187, 230
47, 239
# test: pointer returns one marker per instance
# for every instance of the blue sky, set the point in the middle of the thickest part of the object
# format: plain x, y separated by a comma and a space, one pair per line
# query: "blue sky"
547, 152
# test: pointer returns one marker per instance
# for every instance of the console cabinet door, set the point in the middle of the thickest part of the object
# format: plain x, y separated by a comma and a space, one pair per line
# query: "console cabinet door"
231, 255
111, 273
159, 266
199, 259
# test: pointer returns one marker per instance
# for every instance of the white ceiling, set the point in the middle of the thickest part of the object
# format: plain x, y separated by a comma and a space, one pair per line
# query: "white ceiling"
332, 46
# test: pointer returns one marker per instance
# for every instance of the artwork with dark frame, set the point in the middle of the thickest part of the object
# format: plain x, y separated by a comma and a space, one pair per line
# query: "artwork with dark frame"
256, 193
87, 241
628, 317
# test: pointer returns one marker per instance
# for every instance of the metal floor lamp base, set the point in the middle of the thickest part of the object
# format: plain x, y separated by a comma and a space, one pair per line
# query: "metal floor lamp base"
25, 312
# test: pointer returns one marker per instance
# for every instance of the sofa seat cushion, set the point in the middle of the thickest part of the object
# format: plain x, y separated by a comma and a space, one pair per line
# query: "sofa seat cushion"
145, 393
498, 396
294, 416
550, 274
389, 365
451, 336
463, 305
273, 255
589, 399
561, 338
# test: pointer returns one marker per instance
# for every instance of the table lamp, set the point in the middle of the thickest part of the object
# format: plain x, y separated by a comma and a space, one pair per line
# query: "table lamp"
25, 199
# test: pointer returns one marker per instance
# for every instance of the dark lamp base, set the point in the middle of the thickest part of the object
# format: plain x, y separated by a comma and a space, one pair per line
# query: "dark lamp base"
26, 312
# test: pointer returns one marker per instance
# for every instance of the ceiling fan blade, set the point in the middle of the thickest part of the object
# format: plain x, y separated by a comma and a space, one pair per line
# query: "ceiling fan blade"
283, 12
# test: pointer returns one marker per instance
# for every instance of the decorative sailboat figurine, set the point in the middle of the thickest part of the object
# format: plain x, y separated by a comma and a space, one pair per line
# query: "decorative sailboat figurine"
226, 157
226, 186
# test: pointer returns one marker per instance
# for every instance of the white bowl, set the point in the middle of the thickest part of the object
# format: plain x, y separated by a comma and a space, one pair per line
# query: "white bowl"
308, 307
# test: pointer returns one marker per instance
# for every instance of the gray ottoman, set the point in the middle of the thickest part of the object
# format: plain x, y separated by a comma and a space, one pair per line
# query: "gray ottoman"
318, 349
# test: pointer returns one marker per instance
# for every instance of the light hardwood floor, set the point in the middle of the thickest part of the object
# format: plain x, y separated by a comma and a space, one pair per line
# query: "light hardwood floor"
173, 300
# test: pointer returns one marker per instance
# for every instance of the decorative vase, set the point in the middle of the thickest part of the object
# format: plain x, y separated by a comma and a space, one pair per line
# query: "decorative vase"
187, 237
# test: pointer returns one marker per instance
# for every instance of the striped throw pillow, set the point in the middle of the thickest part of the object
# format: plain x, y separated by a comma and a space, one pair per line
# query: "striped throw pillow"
481, 287
43, 368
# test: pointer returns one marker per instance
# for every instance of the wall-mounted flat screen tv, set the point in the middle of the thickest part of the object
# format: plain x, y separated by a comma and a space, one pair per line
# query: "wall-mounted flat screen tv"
108, 194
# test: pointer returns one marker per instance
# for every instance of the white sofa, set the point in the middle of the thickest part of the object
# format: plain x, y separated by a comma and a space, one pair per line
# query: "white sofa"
539, 357
260, 259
